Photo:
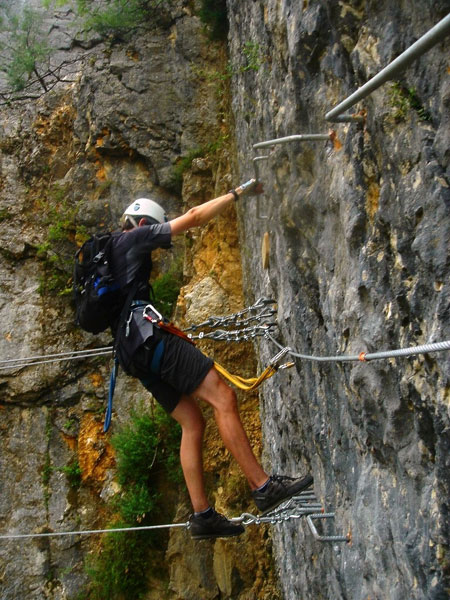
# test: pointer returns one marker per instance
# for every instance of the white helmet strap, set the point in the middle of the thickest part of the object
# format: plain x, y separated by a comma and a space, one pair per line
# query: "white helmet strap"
132, 220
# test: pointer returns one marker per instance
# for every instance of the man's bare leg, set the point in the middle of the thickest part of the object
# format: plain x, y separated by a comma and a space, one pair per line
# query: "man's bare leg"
205, 523
190, 417
222, 398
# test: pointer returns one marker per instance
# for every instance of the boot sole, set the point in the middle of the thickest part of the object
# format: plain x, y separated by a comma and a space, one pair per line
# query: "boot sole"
215, 536
308, 483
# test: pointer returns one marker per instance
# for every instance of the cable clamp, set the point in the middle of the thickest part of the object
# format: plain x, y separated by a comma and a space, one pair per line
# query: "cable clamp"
281, 354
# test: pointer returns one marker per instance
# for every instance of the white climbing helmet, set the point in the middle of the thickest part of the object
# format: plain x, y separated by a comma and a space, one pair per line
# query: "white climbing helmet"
144, 207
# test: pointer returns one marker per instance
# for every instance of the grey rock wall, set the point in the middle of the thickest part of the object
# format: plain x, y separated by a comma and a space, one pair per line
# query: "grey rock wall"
359, 261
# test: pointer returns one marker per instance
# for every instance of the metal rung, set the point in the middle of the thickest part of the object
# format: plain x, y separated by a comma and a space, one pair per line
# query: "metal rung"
305, 504
324, 538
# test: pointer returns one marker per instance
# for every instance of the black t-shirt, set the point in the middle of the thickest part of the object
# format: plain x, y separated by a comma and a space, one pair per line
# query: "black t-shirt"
131, 261
131, 256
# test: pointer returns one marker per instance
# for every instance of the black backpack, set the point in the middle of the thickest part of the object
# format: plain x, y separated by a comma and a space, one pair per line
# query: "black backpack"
98, 298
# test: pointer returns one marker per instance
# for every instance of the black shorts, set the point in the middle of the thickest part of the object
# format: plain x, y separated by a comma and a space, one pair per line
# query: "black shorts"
180, 371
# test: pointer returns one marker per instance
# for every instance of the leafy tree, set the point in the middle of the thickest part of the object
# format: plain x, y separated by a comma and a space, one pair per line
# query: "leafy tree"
24, 48
31, 66
26, 56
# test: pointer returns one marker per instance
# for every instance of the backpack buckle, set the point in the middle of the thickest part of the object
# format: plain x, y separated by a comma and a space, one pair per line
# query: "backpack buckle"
127, 326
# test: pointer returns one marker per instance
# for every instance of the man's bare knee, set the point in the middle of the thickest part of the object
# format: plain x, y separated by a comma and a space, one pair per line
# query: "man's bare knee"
226, 400
190, 417
196, 427
217, 393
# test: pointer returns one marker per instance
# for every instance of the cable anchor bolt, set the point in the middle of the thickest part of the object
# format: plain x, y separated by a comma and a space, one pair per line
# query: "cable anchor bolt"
287, 365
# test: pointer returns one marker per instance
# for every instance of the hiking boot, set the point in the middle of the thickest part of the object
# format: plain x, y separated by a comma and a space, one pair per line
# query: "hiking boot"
278, 489
213, 526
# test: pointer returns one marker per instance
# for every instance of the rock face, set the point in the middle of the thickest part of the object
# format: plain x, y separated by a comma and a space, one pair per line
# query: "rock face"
359, 234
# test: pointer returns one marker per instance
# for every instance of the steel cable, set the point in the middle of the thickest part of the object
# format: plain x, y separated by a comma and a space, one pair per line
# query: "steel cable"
367, 356
19, 363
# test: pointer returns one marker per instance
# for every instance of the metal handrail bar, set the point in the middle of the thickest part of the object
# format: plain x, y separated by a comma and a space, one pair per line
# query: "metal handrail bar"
427, 41
304, 137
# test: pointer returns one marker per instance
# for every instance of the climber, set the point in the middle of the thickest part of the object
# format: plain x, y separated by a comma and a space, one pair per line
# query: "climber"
178, 374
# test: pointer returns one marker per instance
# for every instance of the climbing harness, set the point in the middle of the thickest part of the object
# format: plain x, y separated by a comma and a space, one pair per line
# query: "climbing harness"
304, 504
260, 311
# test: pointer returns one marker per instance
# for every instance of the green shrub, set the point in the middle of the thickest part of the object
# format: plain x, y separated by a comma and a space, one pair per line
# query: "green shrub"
135, 447
253, 55
184, 163
57, 250
117, 17
146, 442
119, 572
403, 99
73, 473
135, 503
147, 452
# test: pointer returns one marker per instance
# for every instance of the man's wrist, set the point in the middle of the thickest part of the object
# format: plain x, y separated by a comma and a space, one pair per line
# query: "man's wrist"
235, 194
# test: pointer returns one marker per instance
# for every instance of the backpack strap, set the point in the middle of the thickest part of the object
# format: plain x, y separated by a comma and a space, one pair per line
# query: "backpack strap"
124, 313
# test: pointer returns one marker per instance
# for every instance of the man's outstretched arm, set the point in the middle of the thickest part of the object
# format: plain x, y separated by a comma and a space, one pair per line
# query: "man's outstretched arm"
199, 215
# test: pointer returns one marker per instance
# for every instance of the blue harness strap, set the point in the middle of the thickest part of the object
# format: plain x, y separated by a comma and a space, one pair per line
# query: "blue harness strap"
156, 359
154, 365
112, 386
154, 370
